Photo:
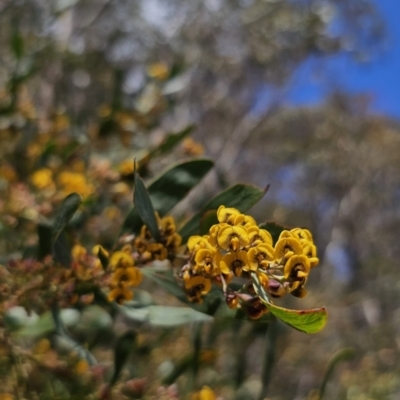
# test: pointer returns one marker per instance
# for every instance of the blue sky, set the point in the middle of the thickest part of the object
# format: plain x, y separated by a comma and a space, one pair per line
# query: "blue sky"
379, 78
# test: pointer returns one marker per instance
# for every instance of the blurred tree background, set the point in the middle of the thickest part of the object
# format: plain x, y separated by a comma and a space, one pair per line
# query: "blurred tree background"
332, 168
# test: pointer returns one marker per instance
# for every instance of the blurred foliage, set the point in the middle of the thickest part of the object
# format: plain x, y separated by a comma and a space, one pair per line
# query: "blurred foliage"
87, 86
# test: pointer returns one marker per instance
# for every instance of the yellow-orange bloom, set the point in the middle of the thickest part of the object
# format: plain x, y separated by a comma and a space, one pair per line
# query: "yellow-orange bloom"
120, 294
258, 236
42, 178
297, 268
227, 215
120, 259
235, 262
287, 247
205, 394
207, 260
127, 277
197, 242
259, 256
232, 238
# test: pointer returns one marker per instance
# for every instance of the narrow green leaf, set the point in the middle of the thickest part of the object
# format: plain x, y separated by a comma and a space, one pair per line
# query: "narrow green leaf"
169, 189
123, 348
145, 208
307, 321
170, 141
68, 208
209, 219
45, 240
273, 228
166, 316
240, 196
337, 358
17, 44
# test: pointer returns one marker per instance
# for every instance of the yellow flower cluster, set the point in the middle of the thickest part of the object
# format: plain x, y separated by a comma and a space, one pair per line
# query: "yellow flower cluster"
237, 247
124, 275
150, 250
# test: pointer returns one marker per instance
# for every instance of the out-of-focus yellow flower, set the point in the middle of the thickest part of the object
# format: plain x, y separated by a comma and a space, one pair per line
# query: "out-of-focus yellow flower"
126, 167
191, 147
104, 111
81, 367
259, 256
42, 347
6, 396
42, 178
287, 247
120, 295
158, 70
78, 252
205, 393
158, 251
74, 182
7, 172
232, 238
120, 259
235, 262
127, 277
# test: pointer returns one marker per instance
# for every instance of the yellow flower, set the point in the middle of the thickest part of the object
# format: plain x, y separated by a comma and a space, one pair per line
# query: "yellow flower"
259, 256
42, 178
245, 220
232, 238
126, 167
81, 367
197, 286
173, 241
192, 147
258, 236
74, 182
78, 252
120, 259
127, 277
205, 394
310, 251
158, 70
227, 215
197, 242
285, 234
168, 226
120, 294
287, 247
297, 268
157, 251
304, 235
98, 249
235, 262
214, 230
206, 260
6, 396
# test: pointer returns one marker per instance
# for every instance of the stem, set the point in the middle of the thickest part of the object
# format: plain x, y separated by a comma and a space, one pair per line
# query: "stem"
269, 357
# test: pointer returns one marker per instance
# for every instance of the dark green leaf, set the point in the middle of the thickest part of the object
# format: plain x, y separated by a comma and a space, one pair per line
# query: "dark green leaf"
68, 208
45, 240
170, 141
240, 196
17, 44
273, 228
307, 321
209, 219
123, 348
169, 189
145, 208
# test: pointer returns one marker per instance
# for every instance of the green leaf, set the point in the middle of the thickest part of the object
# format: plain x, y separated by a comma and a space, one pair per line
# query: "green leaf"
209, 219
17, 44
45, 247
240, 196
123, 348
307, 321
169, 189
45, 324
145, 208
273, 228
170, 141
68, 208
165, 316
338, 357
